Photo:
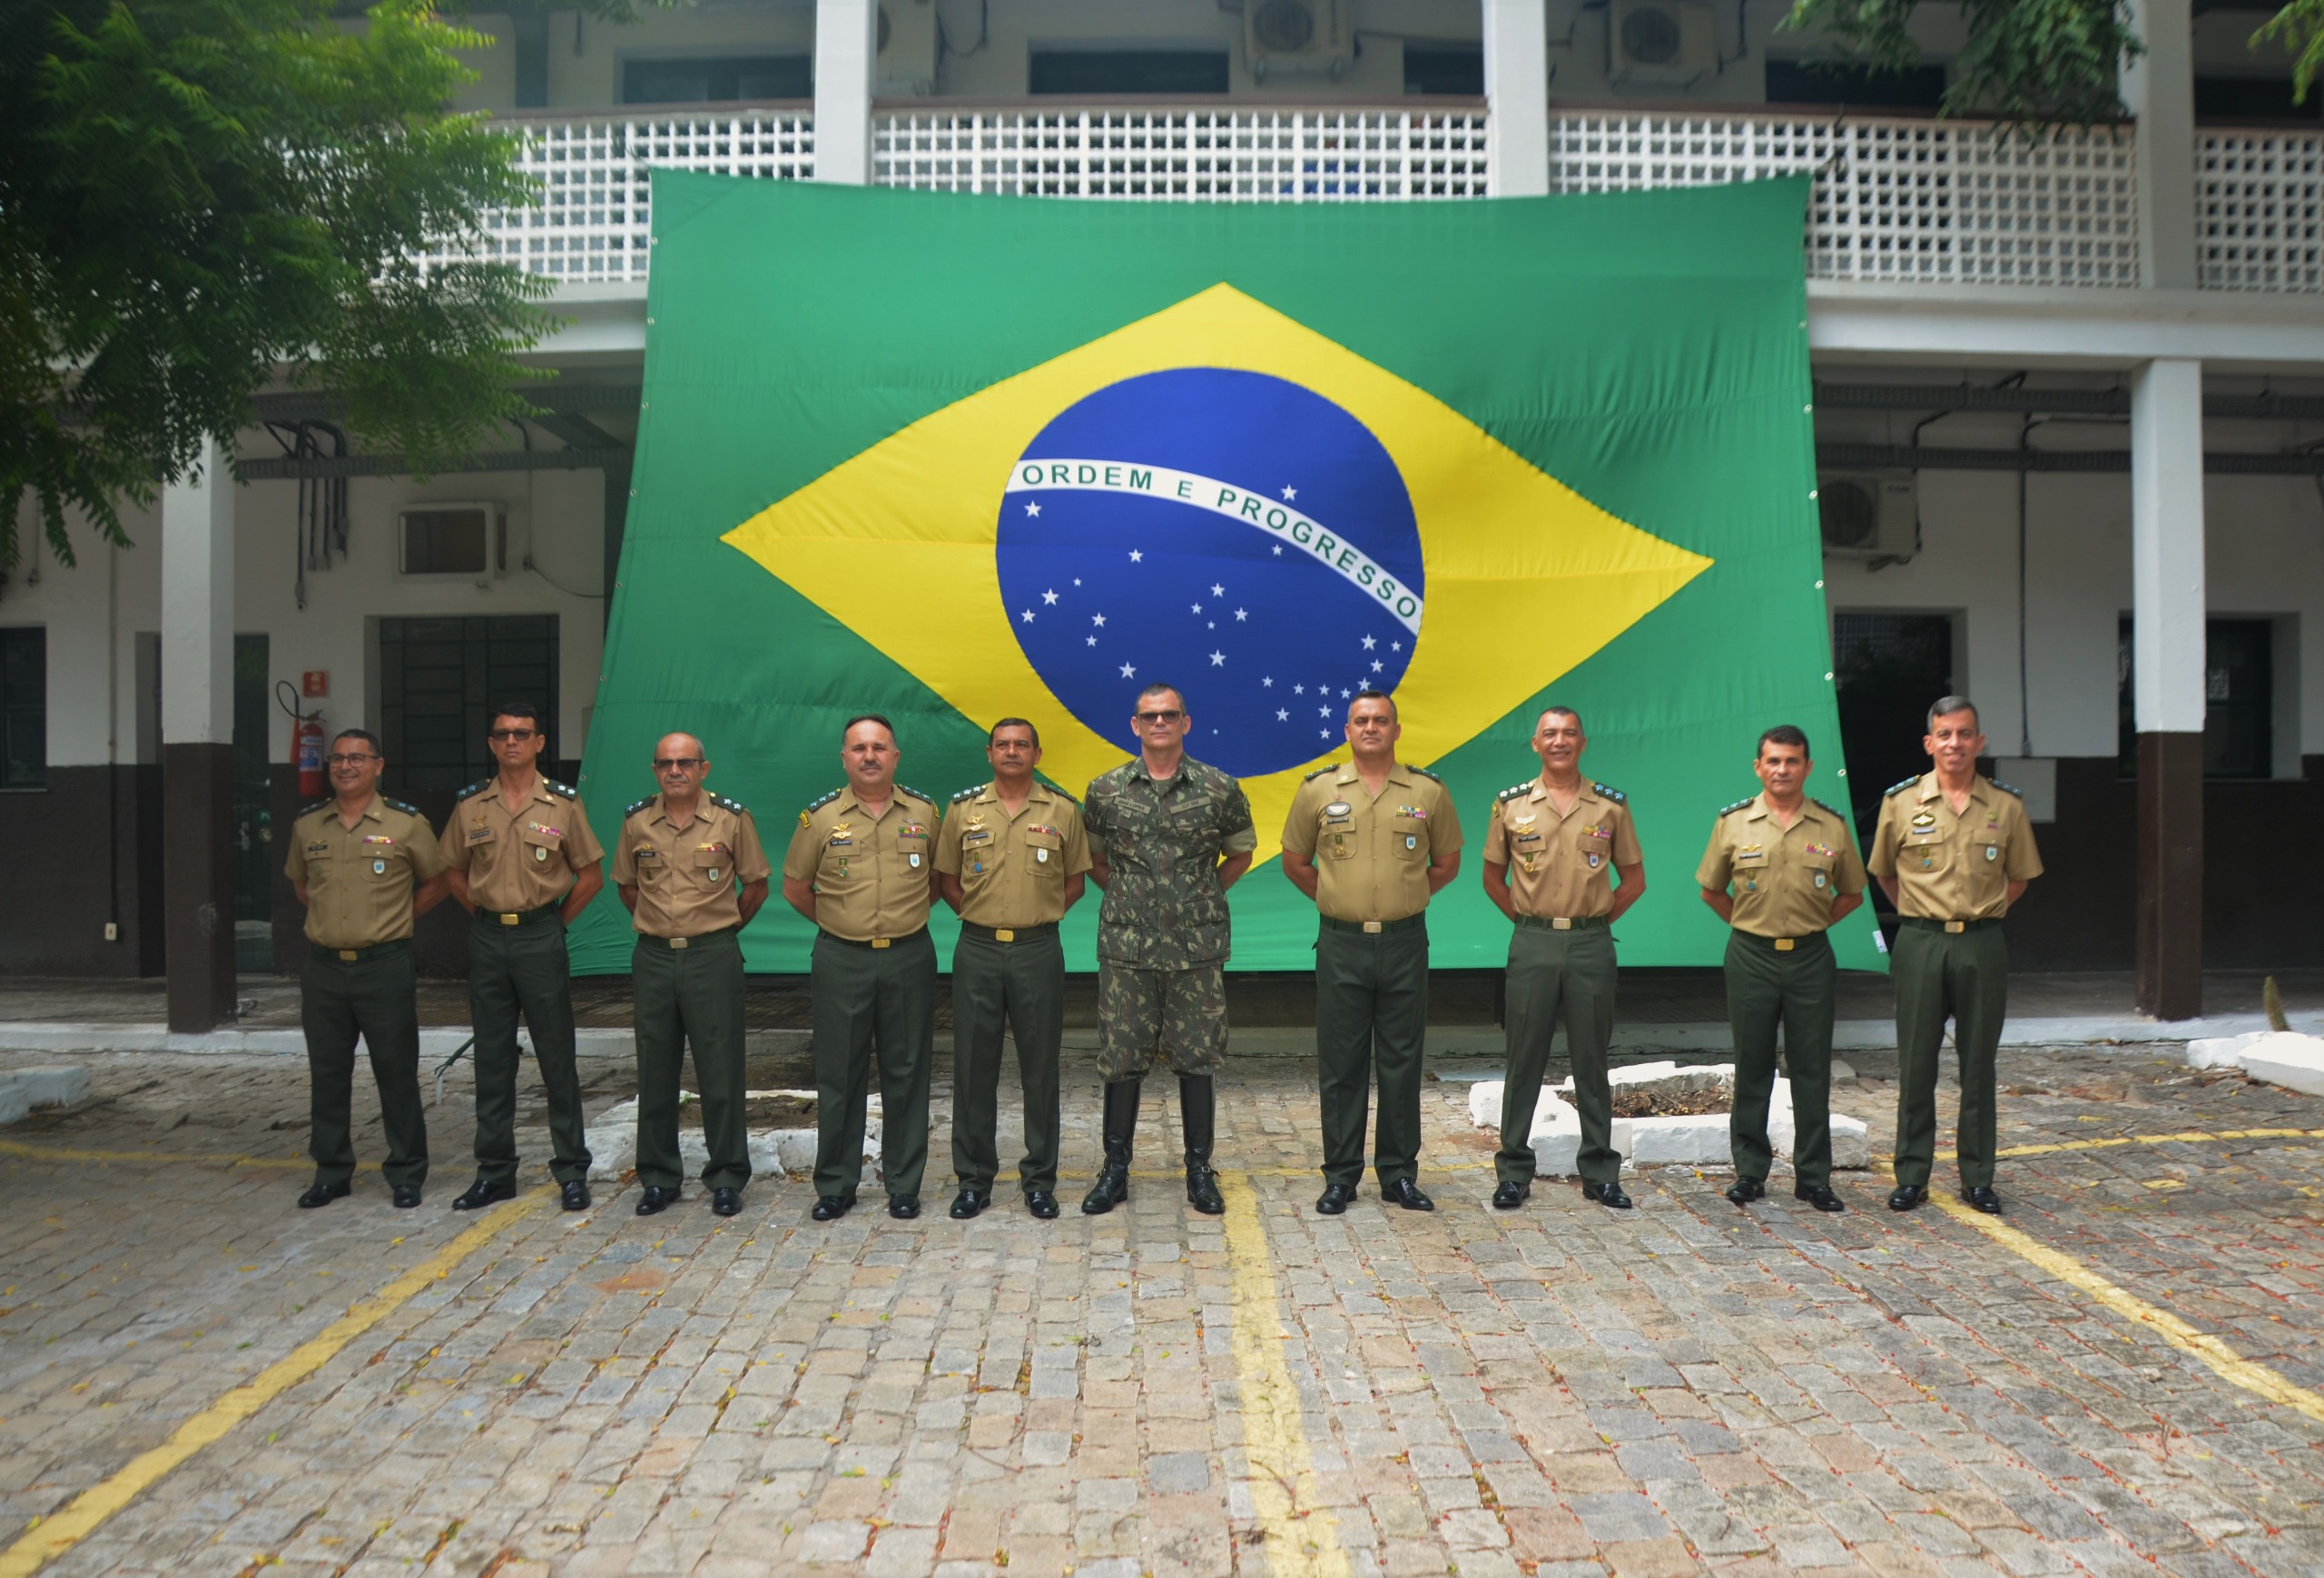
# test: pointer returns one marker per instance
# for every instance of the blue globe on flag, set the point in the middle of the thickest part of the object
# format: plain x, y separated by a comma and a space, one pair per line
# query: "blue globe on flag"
1228, 532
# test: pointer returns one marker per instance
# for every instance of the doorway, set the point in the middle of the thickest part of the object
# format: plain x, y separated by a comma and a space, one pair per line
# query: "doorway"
1888, 668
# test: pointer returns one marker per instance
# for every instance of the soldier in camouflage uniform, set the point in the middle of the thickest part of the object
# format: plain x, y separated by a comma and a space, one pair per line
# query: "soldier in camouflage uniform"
1168, 835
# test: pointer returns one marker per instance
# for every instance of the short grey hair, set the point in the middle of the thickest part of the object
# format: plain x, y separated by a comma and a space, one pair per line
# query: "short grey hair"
1946, 705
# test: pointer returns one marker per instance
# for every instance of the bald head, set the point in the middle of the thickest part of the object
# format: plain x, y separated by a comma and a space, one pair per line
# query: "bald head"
680, 764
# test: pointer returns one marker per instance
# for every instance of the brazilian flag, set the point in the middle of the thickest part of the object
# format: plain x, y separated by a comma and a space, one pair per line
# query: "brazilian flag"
954, 459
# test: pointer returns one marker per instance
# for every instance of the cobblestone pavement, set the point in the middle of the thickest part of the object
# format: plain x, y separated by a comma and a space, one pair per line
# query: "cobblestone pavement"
1557, 1390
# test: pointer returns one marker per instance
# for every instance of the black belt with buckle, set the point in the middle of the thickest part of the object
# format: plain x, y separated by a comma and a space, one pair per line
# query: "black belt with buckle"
517, 917
1373, 928
1565, 922
1930, 923
875, 941
1003, 934
682, 944
1780, 944
377, 949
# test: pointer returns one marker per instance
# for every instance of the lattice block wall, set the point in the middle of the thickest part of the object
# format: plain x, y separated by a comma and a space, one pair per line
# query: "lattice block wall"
1938, 201
1187, 155
592, 222
2260, 211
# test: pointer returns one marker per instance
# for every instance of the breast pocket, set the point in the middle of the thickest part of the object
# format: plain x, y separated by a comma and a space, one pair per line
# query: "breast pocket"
382, 862
1927, 854
912, 851
1045, 853
1596, 845
1408, 838
650, 866
542, 848
1336, 837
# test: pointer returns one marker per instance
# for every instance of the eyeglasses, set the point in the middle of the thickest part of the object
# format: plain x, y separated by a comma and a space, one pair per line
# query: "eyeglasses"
496, 735
677, 764
353, 759
1171, 716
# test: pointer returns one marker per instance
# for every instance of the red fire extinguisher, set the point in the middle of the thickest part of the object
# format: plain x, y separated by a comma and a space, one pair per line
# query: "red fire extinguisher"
307, 750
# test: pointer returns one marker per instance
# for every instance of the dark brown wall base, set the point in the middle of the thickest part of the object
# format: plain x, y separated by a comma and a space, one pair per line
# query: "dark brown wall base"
198, 884
63, 884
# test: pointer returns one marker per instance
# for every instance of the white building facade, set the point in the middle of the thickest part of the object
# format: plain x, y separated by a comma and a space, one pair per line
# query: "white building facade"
2070, 417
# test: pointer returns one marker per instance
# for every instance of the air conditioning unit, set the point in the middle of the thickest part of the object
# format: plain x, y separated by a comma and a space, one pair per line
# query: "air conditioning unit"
1660, 43
1281, 36
909, 44
1868, 515
462, 542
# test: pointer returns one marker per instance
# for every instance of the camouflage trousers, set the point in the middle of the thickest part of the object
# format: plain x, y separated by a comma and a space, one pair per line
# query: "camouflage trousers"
1177, 1016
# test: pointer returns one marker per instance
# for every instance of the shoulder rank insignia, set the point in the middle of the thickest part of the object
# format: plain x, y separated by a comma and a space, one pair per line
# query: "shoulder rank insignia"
1516, 790
641, 805
563, 791
916, 794
1058, 790
475, 789
400, 805
1899, 788
1834, 810
1740, 805
1425, 772
1326, 767
318, 805
971, 792
817, 804
737, 806
2007, 788
1611, 792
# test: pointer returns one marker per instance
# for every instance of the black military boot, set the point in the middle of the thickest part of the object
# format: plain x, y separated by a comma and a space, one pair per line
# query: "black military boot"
1198, 1112
1112, 1186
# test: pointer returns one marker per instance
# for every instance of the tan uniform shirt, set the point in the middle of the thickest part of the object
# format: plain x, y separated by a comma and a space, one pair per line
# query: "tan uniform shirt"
685, 876
523, 860
359, 878
1372, 852
1012, 869
1784, 878
1560, 862
870, 877
1948, 867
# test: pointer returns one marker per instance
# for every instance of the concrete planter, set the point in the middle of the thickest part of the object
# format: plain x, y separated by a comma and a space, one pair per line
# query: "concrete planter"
1697, 1140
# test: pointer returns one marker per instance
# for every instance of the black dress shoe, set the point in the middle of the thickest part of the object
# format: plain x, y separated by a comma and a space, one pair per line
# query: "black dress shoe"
1821, 1195
1609, 1195
1983, 1198
322, 1194
1042, 1204
903, 1207
968, 1203
480, 1194
1334, 1198
407, 1196
573, 1194
1744, 1191
1405, 1193
830, 1207
726, 1202
1906, 1197
654, 1199
1510, 1196
1202, 1189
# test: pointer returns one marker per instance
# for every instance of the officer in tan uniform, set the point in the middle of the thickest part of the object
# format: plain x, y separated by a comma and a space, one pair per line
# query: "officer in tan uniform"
1551, 845
1781, 869
366, 867
691, 870
1370, 842
1954, 851
1012, 858
861, 867
524, 863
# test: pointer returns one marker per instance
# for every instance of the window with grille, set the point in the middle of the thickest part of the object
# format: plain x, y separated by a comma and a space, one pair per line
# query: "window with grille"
2238, 699
24, 708
440, 680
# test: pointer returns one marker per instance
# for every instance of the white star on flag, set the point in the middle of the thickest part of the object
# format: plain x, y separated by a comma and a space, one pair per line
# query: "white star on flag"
1376, 666
1240, 615
1281, 716
1322, 712
1367, 643
1093, 641
1029, 616
1098, 620
1197, 607
1032, 508
1278, 550
1268, 682
1137, 557
1216, 590
1049, 597
1289, 494
1130, 671
1299, 690
1395, 647
1218, 659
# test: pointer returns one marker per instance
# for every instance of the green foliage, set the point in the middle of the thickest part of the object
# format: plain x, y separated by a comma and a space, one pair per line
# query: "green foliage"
2029, 62
2299, 30
198, 196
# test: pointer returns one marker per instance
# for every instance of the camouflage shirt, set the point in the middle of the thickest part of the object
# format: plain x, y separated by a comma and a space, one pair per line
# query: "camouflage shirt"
1162, 843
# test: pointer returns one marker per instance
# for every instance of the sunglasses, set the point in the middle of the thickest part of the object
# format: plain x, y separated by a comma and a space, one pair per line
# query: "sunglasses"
1160, 717
498, 735
677, 764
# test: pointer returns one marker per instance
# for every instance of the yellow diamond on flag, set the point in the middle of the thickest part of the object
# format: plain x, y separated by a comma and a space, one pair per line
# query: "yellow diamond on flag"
1218, 498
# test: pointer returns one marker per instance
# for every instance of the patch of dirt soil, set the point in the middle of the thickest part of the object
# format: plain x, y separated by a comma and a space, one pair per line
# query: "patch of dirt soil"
1645, 1104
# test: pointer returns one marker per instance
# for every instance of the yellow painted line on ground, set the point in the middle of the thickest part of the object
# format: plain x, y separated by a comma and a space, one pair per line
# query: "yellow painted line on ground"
1300, 1535
59, 1153
2190, 1136
2223, 1360
45, 1539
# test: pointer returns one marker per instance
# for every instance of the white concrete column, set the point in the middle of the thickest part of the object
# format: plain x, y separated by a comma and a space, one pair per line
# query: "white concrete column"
198, 607
1517, 97
847, 52
2160, 90
2167, 600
